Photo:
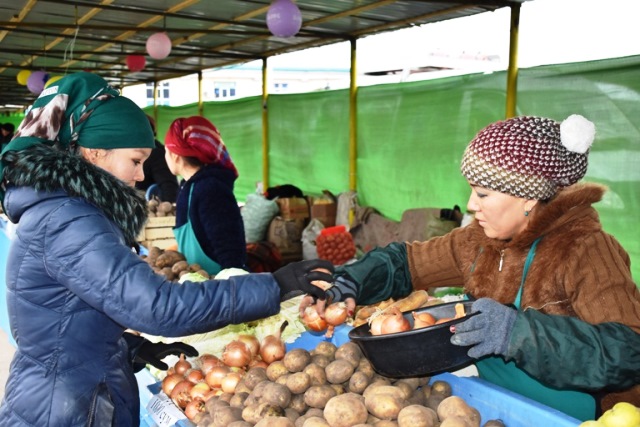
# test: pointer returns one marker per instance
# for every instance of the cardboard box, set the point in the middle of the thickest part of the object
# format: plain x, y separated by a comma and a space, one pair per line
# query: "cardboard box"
293, 208
325, 213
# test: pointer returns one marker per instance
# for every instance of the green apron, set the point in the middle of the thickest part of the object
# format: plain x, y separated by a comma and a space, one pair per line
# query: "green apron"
189, 247
506, 374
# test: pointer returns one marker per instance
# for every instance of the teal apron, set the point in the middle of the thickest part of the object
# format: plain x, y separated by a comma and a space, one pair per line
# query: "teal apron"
506, 374
189, 247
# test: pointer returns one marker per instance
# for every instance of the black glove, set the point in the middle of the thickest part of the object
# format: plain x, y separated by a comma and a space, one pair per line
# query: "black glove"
343, 288
295, 278
488, 331
153, 353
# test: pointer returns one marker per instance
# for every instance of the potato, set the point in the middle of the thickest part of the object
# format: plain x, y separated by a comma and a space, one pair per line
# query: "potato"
168, 273
254, 376
385, 406
298, 382
277, 395
349, 351
386, 423
345, 410
276, 369
168, 258
240, 424
325, 348
297, 359
179, 267
297, 403
316, 373
358, 382
282, 379
321, 360
382, 388
494, 423
315, 422
291, 413
317, 396
365, 366
434, 400
456, 422
315, 412
339, 371
212, 404
238, 399
275, 422
223, 416
242, 387
165, 207
255, 413
339, 388
441, 387
417, 416
406, 388
455, 406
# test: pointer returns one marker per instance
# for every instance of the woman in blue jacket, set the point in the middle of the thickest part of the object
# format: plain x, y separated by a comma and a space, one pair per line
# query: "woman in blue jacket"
74, 281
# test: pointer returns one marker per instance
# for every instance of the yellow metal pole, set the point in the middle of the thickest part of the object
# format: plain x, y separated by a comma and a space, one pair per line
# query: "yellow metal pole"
512, 71
155, 102
265, 127
200, 101
353, 120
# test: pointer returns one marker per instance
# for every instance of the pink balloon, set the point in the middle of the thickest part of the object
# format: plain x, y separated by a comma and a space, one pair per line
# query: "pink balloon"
136, 62
36, 81
159, 45
284, 18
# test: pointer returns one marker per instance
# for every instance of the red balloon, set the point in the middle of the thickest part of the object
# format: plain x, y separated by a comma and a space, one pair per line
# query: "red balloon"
136, 62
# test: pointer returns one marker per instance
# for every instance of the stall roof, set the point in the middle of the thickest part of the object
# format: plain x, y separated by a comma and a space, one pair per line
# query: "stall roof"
62, 36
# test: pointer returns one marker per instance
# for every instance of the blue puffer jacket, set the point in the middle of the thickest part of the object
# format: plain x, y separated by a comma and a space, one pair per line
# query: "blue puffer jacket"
74, 286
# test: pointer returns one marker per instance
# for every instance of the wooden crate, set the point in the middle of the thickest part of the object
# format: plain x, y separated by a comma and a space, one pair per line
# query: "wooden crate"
158, 232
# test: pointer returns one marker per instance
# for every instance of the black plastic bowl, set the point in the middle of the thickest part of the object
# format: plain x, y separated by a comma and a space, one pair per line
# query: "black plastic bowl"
419, 352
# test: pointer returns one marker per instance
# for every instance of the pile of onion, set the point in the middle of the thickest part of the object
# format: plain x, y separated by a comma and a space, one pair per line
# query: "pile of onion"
272, 347
334, 314
388, 322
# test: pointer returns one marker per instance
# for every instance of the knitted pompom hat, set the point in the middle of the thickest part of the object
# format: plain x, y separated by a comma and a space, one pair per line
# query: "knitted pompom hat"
529, 157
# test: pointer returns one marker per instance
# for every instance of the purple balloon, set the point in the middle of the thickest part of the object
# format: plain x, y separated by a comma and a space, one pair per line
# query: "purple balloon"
284, 18
36, 81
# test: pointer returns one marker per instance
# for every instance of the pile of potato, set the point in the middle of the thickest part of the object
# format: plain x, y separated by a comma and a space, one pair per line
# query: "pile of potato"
157, 208
334, 387
172, 264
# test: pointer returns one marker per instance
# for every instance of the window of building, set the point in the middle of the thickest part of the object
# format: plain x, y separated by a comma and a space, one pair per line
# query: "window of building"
163, 93
224, 89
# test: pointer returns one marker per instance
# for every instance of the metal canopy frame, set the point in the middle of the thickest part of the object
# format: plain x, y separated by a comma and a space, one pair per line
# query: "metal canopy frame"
60, 36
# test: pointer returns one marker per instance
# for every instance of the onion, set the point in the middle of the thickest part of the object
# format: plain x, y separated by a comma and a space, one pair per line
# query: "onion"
375, 322
312, 319
208, 361
422, 320
258, 362
180, 393
394, 322
251, 342
212, 393
230, 382
182, 365
215, 376
236, 354
335, 314
194, 375
199, 390
272, 348
169, 382
194, 408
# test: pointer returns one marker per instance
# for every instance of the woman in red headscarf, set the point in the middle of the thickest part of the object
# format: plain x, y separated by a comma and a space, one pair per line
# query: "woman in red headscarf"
209, 228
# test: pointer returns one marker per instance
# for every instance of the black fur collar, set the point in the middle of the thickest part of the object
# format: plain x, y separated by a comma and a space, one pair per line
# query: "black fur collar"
49, 169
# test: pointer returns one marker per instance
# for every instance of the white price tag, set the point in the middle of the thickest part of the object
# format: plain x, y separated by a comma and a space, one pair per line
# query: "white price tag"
163, 411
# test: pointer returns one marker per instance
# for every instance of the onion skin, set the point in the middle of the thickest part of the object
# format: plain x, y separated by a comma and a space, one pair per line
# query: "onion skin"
272, 348
335, 314
215, 376
194, 407
236, 354
230, 382
169, 382
194, 375
251, 342
180, 393
182, 365
199, 390
312, 319
394, 322
208, 361
422, 320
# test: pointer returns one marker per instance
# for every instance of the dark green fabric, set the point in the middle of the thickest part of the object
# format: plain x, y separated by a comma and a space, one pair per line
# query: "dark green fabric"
385, 272
541, 344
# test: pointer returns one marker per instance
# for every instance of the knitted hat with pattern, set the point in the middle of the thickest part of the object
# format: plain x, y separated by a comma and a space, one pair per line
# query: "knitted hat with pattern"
529, 157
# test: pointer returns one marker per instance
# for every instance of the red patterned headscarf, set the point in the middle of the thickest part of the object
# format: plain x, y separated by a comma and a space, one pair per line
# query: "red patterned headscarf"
197, 137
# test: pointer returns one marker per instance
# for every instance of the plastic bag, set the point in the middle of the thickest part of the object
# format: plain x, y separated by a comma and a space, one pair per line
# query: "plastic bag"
257, 213
309, 235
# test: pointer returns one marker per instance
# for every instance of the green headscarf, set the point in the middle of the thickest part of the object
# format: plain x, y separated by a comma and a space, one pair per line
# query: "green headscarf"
81, 109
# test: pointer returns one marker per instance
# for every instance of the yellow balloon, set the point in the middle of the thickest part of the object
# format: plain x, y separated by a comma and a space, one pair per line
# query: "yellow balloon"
23, 76
52, 80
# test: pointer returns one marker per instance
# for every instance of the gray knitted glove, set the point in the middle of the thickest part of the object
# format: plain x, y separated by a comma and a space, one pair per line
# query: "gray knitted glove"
488, 331
342, 289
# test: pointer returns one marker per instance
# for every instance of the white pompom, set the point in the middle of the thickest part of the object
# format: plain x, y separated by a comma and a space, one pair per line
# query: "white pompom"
577, 133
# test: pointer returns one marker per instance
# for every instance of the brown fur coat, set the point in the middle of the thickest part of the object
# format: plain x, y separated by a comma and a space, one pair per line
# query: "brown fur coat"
578, 269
